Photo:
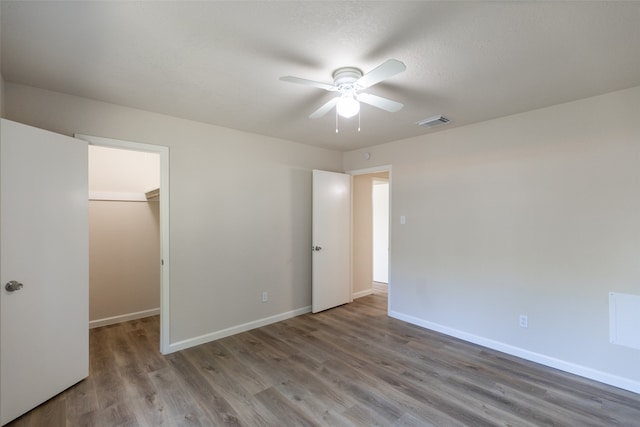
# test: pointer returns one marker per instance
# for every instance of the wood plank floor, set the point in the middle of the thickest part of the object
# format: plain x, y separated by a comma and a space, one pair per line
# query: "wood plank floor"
350, 366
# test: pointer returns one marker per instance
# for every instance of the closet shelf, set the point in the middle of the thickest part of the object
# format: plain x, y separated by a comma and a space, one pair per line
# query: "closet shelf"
153, 195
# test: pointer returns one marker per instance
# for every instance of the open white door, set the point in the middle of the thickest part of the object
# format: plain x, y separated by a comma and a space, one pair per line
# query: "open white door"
44, 335
331, 240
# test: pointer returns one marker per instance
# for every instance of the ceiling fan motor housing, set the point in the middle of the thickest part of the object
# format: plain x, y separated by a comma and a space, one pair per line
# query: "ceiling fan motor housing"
345, 79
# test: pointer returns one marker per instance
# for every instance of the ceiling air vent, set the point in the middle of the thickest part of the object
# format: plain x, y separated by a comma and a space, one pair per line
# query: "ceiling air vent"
434, 121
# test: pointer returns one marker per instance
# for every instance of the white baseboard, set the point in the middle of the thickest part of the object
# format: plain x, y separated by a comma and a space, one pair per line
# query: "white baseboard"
380, 287
202, 339
362, 294
123, 318
583, 371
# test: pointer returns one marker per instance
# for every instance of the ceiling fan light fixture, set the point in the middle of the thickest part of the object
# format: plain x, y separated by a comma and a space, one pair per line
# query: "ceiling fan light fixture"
347, 106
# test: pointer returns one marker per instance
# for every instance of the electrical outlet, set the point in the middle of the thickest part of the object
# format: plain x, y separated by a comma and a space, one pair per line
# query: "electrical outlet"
524, 321
265, 296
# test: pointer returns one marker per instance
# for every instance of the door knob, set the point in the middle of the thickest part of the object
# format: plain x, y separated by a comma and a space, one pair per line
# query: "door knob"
316, 248
13, 286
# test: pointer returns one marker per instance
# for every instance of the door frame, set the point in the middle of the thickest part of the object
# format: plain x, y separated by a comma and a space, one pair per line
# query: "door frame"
165, 294
366, 171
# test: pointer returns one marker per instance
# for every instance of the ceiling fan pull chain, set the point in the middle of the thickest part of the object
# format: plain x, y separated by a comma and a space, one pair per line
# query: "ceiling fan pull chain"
358, 121
336, 121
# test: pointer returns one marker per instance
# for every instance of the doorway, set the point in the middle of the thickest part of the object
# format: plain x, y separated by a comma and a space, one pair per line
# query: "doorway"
370, 252
124, 235
380, 213
162, 209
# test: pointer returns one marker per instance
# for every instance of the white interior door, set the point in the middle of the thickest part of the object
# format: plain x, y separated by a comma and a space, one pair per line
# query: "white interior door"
44, 337
331, 240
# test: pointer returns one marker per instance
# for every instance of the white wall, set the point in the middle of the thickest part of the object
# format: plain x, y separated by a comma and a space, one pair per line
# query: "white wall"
240, 207
535, 214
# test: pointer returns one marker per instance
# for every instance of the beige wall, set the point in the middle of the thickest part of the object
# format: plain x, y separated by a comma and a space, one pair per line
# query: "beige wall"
363, 233
124, 258
362, 267
240, 207
114, 170
533, 214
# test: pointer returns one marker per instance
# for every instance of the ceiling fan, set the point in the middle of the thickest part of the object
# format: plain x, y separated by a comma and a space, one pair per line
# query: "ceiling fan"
349, 82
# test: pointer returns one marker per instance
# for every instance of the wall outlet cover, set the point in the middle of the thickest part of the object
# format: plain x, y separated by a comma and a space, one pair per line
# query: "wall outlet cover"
524, 321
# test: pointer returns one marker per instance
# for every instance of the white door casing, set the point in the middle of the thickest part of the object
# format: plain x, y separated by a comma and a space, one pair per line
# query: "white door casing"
165, 342
44, 337
331, 240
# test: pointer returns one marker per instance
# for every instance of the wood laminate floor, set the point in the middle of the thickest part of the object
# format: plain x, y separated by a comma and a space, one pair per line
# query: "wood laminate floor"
349, 366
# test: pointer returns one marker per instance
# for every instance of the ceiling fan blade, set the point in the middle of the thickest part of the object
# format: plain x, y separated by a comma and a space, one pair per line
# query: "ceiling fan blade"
325, 108
387, 69
380, 102
299, 80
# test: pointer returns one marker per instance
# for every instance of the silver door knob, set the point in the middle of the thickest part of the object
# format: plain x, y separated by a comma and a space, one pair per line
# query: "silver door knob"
316, 248
13, 286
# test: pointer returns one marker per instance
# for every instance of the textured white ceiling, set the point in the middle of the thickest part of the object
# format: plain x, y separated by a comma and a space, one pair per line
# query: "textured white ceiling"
220, 62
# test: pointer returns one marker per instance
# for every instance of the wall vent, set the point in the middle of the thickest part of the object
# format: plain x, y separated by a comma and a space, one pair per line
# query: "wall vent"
433, 121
